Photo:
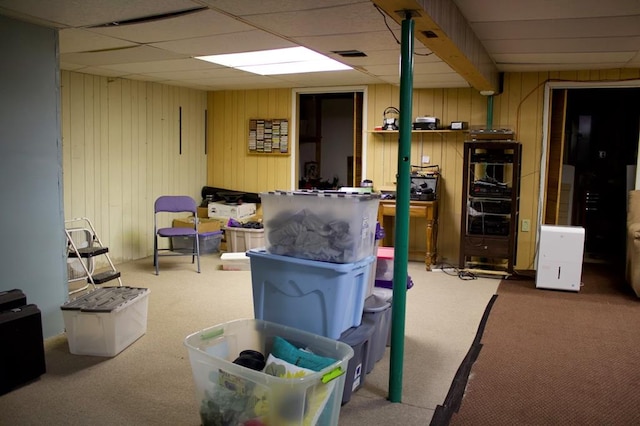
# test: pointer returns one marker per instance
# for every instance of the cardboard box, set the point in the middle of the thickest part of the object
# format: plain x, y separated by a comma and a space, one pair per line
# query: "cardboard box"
203, 212
235, 211
204, 225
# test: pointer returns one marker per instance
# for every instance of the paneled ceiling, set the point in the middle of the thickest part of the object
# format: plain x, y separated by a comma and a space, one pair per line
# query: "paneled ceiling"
156, 40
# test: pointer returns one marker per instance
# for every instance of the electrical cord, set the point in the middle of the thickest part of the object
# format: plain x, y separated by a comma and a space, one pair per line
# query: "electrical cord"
463, 275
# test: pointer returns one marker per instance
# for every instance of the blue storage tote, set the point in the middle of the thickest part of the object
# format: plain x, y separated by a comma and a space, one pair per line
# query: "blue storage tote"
319, 297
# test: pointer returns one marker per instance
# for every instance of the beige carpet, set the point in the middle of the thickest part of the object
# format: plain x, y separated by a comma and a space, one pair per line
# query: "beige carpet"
150, 382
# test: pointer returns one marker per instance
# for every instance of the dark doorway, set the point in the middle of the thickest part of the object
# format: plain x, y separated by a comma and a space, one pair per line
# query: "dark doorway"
330, 140
600, 150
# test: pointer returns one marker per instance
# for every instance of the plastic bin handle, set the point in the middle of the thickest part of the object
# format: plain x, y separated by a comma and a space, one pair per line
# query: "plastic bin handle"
333, 374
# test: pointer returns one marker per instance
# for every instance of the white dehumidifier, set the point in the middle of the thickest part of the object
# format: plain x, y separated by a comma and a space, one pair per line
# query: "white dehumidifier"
560, 253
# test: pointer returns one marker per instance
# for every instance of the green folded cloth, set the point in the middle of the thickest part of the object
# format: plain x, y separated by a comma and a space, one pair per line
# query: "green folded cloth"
301, 358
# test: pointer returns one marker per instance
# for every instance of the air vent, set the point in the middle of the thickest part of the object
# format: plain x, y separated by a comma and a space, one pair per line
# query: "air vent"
152, 18
430, 34
350, 53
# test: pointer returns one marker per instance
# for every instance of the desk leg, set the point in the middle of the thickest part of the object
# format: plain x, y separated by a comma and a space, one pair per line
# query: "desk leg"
429, 255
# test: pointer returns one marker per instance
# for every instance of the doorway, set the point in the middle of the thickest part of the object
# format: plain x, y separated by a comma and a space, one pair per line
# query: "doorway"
329, 151
598, 153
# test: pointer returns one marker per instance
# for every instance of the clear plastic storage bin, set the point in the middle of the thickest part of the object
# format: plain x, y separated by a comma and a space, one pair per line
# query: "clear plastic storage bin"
228, 393
209, 243
328, 226
243, 239
106, 320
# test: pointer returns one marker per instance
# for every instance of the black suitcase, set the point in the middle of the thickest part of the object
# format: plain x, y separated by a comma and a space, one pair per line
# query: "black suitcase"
22, 354
10, 299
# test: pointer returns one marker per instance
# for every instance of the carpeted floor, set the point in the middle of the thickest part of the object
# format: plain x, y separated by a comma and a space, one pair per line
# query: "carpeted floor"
151, 382
551, 357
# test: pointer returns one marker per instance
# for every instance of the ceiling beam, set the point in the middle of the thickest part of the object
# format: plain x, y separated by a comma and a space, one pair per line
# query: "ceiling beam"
441, 27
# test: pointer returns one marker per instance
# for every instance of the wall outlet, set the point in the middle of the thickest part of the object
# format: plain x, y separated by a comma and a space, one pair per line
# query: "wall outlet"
425, 159
526, 225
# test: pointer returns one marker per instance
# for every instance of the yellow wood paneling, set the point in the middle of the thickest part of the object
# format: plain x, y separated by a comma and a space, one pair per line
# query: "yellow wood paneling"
139, 121
231, 166
121, 151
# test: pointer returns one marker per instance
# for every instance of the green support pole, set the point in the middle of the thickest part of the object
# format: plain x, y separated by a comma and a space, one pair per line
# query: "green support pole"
490, 112
401, 244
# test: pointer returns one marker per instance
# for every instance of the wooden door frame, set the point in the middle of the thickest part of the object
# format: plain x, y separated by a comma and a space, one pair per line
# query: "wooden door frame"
546, 132
293, 126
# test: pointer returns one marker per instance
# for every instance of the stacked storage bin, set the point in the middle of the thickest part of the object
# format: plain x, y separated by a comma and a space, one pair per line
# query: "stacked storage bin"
314, 272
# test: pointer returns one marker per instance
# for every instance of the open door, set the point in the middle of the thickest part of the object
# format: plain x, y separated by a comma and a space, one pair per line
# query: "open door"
330, 139
555, 157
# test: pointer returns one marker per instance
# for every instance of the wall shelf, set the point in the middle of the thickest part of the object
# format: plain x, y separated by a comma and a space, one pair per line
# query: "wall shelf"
420, 131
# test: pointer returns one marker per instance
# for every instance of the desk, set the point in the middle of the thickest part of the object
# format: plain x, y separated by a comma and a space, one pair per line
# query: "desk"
425, 209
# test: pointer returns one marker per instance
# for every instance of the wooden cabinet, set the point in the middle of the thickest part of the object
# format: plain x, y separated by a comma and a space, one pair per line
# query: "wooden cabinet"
491, 195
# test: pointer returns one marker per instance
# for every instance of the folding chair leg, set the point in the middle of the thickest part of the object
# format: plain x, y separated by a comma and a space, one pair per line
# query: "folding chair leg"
155, 254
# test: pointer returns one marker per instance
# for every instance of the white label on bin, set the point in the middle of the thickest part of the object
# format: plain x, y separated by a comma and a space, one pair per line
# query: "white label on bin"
356, 377
365, 228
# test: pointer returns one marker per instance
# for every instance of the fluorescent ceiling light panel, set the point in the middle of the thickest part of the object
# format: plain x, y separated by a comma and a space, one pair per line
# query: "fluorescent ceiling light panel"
292, 60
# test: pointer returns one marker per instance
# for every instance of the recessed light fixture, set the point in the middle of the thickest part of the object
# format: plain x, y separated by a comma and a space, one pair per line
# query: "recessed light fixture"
292, 60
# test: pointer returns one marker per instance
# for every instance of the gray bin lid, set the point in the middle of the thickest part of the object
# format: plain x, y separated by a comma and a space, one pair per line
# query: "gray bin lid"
105, 299
354, 336
376, 303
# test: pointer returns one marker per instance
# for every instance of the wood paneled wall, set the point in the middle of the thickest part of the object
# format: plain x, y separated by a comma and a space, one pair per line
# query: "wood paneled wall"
230, 165
121, 151
520, 106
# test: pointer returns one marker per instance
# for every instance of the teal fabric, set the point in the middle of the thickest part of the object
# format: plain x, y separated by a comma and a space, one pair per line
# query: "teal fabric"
287, 352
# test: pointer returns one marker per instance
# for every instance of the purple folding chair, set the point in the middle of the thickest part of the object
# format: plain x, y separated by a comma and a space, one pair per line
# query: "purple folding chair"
175, 204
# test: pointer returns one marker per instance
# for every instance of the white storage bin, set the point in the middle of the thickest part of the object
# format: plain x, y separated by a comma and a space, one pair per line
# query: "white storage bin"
106, 320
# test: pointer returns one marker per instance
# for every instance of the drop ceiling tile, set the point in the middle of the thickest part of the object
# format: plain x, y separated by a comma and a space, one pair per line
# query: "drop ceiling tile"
253, 7
82, 13
621, 26
564, 58
168, 65
544, 67
70, 67
120, 56
220, 72
349, 19
199, 24
145, 77
333, 78
246, 41
365, 42
247, 81
102, 71
80, 40
506, 10
573, 45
